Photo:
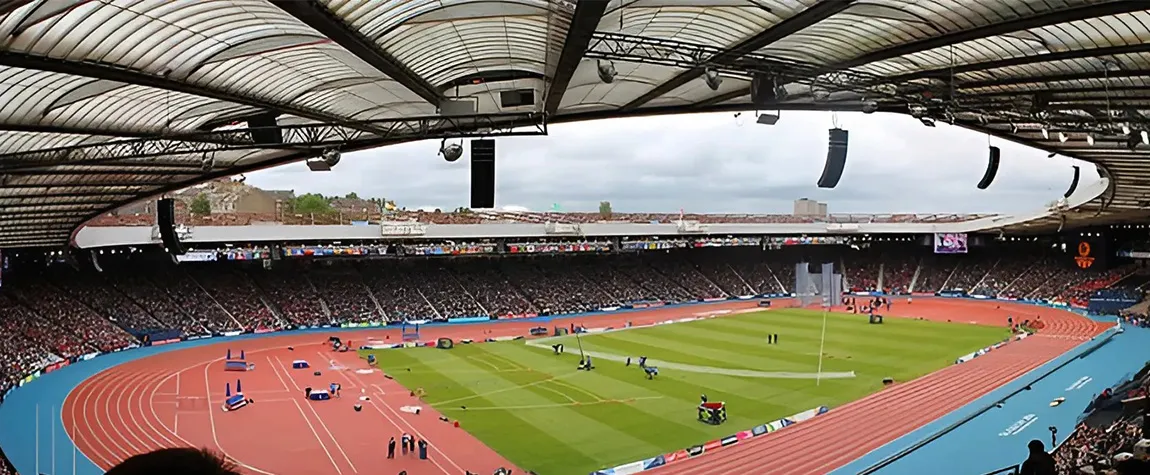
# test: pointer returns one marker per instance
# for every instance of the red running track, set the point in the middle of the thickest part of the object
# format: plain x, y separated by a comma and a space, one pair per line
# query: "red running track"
825, 443
173, 400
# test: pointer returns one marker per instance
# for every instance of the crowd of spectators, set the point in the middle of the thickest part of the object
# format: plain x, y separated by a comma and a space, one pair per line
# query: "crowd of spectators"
898, 272
1003, 278
862, 272
342, 287
55, 312
237, 295
1097, 450
75, 329
23, 342
400, 298
294, 295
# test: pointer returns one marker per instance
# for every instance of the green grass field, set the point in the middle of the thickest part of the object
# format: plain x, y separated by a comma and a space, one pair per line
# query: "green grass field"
536, 409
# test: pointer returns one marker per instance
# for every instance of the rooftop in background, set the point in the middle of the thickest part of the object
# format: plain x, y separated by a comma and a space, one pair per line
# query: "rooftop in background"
104, 103
481, 217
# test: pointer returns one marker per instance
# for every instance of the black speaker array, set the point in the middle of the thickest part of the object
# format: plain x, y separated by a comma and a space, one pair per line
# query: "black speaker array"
482, 174
836, 159
991, 169
166, 218
1073, 183
763, 90
265, 129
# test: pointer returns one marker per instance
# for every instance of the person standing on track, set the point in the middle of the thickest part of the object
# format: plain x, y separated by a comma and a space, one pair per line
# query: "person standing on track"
391, 448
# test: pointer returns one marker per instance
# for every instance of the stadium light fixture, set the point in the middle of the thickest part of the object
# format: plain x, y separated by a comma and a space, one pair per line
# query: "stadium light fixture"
768, 119
324, 163
450, 151
606, 71
1090, 139
1145, 137
1062, 137
1045, 134
869, 107
712, 78
1125, 130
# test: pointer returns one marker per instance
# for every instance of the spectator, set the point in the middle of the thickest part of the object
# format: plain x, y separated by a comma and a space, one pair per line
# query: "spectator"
1039, 462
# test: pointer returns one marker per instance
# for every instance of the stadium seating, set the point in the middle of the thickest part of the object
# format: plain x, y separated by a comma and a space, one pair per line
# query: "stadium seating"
52, 314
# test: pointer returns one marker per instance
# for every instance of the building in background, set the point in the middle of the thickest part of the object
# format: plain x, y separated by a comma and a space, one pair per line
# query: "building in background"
807, 207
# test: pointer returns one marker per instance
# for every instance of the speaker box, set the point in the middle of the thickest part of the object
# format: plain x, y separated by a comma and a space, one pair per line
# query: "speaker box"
166, 218
836, 159
763, 92
1073, 183
482, 174
265, 129
991, 169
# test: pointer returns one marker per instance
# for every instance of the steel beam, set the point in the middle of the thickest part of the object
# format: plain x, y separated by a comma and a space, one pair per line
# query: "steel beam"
110, 72
306, 137
136, 186
1064, 15
1021, 61
77, 194
583, 24
100, 170
4, 205
328, 24
796, 23
40, 213
1014, 81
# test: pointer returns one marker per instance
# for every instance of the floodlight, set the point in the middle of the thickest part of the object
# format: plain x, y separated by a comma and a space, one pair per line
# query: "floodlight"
1045, 133
1090, 139
768, 119
324, 163
606, 71
1062, 137
712, 78
1126, 130
869, 107
450, 151
1145, 138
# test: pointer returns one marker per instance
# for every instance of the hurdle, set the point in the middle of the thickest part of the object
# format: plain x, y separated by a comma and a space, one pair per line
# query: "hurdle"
237, 364
410, 331
234, 401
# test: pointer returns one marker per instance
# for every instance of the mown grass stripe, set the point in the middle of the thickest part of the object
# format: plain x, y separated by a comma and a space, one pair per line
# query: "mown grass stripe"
552, 434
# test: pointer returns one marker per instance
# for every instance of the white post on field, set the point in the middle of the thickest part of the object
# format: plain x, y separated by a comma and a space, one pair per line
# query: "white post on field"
75, 446
52, 447
822, 341
37, 442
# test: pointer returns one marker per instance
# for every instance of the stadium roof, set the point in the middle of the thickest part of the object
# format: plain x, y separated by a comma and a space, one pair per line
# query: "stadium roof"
103, 102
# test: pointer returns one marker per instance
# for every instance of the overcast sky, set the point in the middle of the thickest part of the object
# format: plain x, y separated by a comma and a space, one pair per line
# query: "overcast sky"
710, 163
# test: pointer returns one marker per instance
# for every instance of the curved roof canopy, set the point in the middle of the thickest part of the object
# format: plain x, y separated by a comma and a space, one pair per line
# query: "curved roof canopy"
103, 102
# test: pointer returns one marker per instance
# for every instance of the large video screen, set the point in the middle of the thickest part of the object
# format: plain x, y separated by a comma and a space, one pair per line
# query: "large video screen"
950, 243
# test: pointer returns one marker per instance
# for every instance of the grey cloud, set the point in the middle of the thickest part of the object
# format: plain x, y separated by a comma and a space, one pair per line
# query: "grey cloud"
711, 163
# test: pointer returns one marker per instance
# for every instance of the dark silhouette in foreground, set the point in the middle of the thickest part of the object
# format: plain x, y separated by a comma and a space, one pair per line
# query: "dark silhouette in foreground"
184, 461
